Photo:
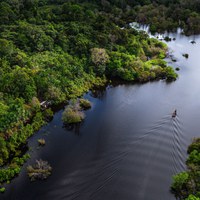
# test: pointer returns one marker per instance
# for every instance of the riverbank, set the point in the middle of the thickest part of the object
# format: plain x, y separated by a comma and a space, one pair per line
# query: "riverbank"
15, 146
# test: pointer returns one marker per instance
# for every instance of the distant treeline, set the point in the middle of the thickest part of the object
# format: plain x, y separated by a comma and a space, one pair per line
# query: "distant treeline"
160, 14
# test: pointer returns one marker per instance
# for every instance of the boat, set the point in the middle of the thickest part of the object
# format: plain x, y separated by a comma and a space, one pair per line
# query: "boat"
174, 114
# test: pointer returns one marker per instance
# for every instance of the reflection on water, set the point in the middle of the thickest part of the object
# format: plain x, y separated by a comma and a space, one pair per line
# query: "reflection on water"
128, 147
75, 128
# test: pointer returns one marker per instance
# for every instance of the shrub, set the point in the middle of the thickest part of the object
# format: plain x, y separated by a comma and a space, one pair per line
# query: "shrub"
179, 184
48, 114
40, 171
170, 74
35, 104
85, 104
41, 142
2, 190
99, 57
7, 174
195, 145
192, 197
186, 55
71, 116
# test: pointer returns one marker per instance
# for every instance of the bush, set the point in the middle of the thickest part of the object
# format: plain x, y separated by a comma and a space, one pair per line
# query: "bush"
192, 197
2, 190
35, 104
71, 116
195, 145
48, 114
7, 174
170, 74
186, 55
179, 185
40, 171
85, 104
41, 142
99, 57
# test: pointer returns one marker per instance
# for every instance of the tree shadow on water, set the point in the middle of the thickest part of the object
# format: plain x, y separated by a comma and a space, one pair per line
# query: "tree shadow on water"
75, 128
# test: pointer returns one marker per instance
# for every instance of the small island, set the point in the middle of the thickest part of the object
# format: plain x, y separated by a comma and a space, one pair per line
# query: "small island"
39, 171
186, 55
73, 113
41, 142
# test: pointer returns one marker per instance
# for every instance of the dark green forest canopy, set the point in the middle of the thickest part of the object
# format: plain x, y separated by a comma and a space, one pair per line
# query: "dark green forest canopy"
56, 50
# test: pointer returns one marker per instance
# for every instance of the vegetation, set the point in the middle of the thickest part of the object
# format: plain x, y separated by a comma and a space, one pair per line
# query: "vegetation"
186, 55
161, 15
2, 190
186, 185
55, 50
48, 114
73, 113
85, 104
41, 142
40, 171
164, 15
72, 116
6, 174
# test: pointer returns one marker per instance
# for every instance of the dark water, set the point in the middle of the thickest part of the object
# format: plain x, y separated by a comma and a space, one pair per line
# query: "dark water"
129, 147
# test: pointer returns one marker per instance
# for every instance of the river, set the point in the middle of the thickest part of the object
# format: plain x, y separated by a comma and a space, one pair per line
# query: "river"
128, 147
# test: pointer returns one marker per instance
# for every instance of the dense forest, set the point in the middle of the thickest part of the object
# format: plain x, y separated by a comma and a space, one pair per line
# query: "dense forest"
55, 50
161, 15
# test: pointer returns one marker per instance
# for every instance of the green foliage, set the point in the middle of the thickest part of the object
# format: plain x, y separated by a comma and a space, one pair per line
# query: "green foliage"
72, 115
99, 57
4, 154
195, 145
6, 174
186, 185
55, 95
20, 161
170, 74
35, 104
41, 142
48, 114
57, 50
38, 121
18, 83
192, 197
6, 48
194, 157
2, 190
180, 181
11, 113
169, 16
85, 104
